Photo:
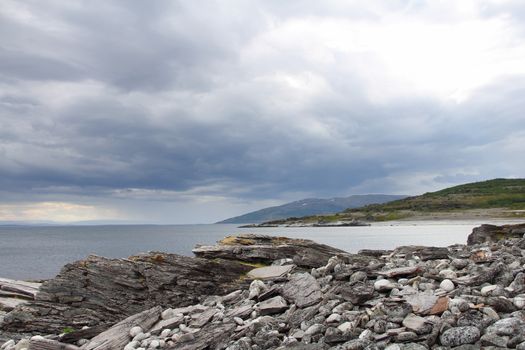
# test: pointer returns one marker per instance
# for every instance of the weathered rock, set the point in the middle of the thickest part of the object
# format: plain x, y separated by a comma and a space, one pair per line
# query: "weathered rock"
493, 233
269, 272
460, 335
48, 344
266, 249
272, 306
118, 336
302, 289
100, 290
357, 293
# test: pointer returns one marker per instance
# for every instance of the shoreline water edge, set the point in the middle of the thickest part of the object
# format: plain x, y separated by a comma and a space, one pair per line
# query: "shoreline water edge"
268, 292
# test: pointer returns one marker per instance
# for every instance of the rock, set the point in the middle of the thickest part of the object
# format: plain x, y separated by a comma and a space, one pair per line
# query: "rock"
103, 291
118, 336
384, 285
414, 323
447, 285
493, 233
426, 304
269, 272
271, 306
257, 287
448, 274
400, 271
266, 249
48, 344
134, 331
487, 290
333, 318
494, 340
460, 335
357, 293
302, 289
163, 324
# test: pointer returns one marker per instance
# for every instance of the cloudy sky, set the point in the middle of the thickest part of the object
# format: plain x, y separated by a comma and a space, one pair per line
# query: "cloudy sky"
194, 111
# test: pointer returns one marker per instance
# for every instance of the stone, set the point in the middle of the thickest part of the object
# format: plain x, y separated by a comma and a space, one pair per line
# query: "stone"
134, 331
493, 233
426, 304
257, 287
494, 340
400, 271
457, 336
384, 285
447, 285
302, 289
333, 318
266, 249
488, 289
169, 323
272, 306
449, 274
414, 323
269, 272
357, 293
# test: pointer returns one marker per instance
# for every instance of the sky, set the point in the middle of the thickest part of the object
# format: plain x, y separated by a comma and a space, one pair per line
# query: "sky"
195, 111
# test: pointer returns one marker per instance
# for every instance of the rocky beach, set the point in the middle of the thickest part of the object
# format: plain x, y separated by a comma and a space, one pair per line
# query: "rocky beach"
262, 292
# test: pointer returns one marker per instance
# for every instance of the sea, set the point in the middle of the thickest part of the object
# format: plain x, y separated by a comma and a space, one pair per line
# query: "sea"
39, 252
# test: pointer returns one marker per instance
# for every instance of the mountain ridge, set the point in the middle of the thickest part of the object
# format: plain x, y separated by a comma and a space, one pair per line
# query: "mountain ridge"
309, 206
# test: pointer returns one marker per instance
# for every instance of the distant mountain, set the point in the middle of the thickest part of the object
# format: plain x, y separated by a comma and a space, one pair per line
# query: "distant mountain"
310, 206
497, 198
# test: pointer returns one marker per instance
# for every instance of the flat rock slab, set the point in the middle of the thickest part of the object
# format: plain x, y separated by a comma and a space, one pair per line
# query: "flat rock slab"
8, 304
425, 304
400, 271
268, 272
272, 306
29, 289
302, 289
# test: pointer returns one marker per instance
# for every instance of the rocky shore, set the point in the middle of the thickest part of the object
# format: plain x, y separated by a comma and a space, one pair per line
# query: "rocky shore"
261, 292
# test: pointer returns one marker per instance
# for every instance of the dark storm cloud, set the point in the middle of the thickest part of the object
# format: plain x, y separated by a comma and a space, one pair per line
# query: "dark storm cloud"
244, 100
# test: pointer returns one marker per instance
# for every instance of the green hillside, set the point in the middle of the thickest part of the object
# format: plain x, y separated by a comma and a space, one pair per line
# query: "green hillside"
498, 198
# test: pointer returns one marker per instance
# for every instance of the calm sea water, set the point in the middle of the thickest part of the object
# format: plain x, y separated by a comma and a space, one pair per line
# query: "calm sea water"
39, 252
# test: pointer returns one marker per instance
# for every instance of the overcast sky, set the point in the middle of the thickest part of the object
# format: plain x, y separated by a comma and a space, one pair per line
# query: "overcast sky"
195, 111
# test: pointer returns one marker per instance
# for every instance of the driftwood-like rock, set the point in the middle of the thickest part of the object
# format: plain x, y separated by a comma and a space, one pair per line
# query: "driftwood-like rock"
493, 233
266, 249
118, 336
104, 291
47, 344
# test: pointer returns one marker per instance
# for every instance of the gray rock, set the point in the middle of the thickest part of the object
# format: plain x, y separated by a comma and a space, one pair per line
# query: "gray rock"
460, 335
269, 272
272, 306
357, 293
302, 289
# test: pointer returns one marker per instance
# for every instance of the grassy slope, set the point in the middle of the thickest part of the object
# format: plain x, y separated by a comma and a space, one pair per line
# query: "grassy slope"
508, 194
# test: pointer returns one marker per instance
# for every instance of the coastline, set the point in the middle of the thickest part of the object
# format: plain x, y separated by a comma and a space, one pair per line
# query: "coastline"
426, 292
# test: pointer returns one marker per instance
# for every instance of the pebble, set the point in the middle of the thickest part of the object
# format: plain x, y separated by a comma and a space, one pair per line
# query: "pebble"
447, 285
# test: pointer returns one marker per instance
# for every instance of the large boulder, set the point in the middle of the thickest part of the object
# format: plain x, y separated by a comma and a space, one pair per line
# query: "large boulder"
266, 249
493, 233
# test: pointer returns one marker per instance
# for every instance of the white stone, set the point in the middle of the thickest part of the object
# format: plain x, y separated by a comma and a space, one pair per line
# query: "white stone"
488, 289
133, 332
154, 344
37, 337
447, 285
131, 346
22, 344
519, 302
165, 333
384, 285
346, 327
256, 288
